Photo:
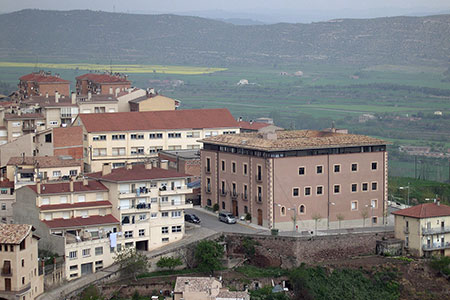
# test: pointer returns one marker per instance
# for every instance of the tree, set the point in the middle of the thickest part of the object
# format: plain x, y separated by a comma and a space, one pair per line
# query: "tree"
340, 218
208, 255
169, 262
316, 218
131, 262
364, 215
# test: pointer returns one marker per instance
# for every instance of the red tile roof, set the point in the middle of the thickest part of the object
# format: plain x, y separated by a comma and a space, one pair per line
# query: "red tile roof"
426, 210
14, 233
64, 187
252, 125
68, 136
137, 173
75, 205
81, 222
43, 78
103, 78
159, 120
43, 161
5, 183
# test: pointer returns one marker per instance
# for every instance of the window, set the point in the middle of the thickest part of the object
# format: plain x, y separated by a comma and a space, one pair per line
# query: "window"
174, 147
141, 232
48, 138
337, 188
164, 214
174, 135
73, 172
137, 136
53, 122
354, 205
245, 169
176, 229
259, 173
165, 230
99, 152
301, 171
295, 192
142, 217
374, 165
319, 169
98, 250
364, 186
176, 214
155, 149
374, 203
354, 187
137, 150
56, 173
23, 263
223, 205
208, 164
72, 254
374, 220
116, 137
100, 109
193, 134
337, 168
259, 195
233, 167
308, 191
283, 211
3, 206
62, 199
99, 138
81, 198
245, 195
118, 151
129, 234
223, 165
354, 167
229, 132
374, 186
319, 190
74, 268
165, 240
153, 215
45, 201
301, 209
153, 136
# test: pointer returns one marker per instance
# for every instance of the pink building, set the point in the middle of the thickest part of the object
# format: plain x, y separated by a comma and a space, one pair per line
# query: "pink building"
303, 179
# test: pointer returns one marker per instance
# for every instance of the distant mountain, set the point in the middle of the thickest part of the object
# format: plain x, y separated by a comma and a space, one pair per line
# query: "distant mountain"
239, 21
83, 35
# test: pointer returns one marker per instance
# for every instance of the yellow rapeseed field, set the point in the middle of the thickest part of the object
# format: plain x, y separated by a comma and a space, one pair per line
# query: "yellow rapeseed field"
183, 70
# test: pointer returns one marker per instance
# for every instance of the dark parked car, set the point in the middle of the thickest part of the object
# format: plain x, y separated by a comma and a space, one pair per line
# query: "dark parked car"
191, 218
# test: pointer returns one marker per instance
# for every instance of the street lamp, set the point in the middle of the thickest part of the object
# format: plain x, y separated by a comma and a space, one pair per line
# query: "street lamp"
328, 219
404, 188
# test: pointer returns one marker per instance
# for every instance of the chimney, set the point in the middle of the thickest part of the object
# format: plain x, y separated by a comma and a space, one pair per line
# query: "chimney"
71, 184
38, 187
85, 181
74, 98
89, 96
129, 166
116, 93
164, 164
110, 90
56, 97
438, 202
148, 165
106, 169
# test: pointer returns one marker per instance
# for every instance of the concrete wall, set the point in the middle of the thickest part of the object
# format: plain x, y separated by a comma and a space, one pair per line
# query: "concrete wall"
23, 144
123, 104
157, 103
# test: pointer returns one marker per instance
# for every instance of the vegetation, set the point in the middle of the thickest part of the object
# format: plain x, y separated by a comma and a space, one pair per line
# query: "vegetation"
249, 247
441, 264
131, 262
419, 190
265, 293
208, 255
318, 283
169, 262
256, 272
91, 293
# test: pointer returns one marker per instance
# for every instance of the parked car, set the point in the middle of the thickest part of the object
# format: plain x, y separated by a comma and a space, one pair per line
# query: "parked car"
191, 218
227, 217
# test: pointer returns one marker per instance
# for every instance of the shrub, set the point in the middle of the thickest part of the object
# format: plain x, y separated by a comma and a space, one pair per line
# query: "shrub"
215, 207
441, 265
169, 262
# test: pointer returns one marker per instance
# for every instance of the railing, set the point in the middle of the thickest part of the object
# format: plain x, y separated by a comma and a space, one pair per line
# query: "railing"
406, 230
207, 170
435, 230
208, 190
234, 195
66, 115
6, 271
223, 193
26, 127
173, 203
137, 206
436, 246
244, 196
258, 199
175, 190
258, 178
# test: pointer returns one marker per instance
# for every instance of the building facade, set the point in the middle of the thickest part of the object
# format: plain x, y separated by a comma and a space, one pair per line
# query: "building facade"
103, 84
137, 136
425, 229
297, 179
21, 276
42, 83
7, 198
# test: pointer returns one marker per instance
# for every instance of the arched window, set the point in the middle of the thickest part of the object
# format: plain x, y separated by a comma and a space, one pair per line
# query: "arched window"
283, 211
301, 209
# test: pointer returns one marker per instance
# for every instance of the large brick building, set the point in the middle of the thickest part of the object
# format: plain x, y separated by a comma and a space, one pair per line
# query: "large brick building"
330, 178
41, 84
103, 84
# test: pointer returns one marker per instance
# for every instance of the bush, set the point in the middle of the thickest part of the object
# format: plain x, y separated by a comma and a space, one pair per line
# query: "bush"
208, 255
169, 262
441, 265
248, 217
215, 207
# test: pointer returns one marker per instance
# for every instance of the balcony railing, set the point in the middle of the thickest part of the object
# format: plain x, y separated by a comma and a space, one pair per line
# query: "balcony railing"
234, 195
406, 230
436, 230
258, 199
436, 246
207, 170
258, 178
138, 206
6, 271
67, 116
223, 193
244, 196
28, 127
175, 190
169, 205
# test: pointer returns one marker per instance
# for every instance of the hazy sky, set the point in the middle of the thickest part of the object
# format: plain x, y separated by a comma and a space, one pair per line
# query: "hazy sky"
325, 8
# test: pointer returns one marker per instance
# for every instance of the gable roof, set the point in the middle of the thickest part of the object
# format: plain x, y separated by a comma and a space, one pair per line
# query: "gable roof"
14, 233
81, 222
43, 78
425, 210
252, 125
159, 120
196, 284
64, 187
103, 78
137, 173
43, 161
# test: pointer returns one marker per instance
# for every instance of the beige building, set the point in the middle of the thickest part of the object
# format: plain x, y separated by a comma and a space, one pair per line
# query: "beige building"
425, 229
297, 179
153, 102
150, 203
20, 124
21, 275
204, 288
137, 136
7, 198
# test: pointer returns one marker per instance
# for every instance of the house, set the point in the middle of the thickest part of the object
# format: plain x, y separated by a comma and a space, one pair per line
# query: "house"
21, 276
243, 82
309, 176
204, 288
118, 138
103, 84
424, 228
252, 126
153, 101
184, 161
42, 83
19, 124
7, 198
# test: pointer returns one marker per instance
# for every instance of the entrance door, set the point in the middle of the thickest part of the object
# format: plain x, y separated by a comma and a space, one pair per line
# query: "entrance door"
86, 268
235, 208
7, 284
260, 217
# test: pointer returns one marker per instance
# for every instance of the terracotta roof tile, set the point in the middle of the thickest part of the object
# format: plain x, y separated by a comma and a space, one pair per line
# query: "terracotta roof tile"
43, 161
43, 78
293, 140
75, 205
103, 78
425, 210
14, 233
81, 222
64, 187
252, 125
5, 183
137, 173
154, 120
195, 284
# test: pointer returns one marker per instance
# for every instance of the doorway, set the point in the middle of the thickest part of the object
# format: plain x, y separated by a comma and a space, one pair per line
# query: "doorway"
260, 217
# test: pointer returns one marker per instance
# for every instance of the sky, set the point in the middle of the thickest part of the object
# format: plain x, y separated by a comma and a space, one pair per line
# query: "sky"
270, 10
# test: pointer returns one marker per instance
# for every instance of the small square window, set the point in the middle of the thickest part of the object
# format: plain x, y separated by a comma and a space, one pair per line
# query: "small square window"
364, 186
319, 190
374, 165
337, 188
319, 169
354, 187
354, 205
374, 186
295, 192
308, 191
301, 171
337, 168
354, 167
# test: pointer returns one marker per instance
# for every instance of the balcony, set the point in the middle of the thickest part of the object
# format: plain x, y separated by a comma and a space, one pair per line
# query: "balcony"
406, 230
234, 195
140, 207
436, 230
177, 190
436, 246
134, 193
7, 271
223, 193
66, 116
244, 196
174, 205
207, 170
258, 178
28, 127
258, 199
